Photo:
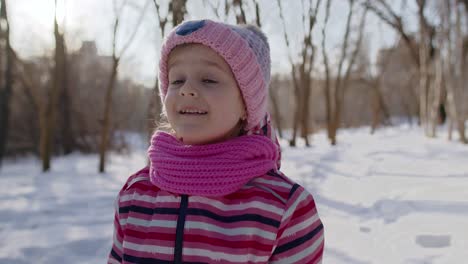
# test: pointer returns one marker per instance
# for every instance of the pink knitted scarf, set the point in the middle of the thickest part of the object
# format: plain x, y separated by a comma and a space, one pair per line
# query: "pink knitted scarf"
209, 170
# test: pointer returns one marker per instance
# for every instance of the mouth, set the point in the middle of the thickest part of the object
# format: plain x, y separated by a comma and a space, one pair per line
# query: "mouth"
192, 112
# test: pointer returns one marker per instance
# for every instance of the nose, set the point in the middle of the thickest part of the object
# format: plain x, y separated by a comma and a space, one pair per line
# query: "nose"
188, 90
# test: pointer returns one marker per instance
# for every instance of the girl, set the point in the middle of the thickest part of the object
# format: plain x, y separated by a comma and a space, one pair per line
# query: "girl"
213, 192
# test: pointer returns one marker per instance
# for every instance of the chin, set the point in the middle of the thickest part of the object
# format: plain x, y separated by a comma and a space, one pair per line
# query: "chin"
188, 140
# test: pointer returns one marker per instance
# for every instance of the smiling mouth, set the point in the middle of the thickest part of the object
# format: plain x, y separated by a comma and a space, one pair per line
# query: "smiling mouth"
192, 112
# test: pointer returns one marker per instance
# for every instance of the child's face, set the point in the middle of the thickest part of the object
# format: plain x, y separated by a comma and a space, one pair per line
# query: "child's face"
203, 102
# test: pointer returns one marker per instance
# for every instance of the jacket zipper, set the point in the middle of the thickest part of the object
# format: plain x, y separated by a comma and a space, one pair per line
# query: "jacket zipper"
180, 229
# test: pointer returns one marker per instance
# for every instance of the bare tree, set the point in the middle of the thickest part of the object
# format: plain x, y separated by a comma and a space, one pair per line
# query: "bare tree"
65, 100
454, 69
6, 77
301, 72
378, 105
305, 69
178, 9
424, 64
48, 115
239, 11
113, 76
326, 88
336, 96
294, 75
383, 10
422, 55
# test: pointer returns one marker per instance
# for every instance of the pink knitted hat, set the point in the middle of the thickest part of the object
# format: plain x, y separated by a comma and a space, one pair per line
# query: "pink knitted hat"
244, 48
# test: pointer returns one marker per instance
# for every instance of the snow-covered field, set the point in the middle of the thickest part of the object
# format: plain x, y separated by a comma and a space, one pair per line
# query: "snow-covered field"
394, 197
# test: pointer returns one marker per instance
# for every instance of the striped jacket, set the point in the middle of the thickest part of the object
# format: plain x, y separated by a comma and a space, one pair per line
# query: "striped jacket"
269, 220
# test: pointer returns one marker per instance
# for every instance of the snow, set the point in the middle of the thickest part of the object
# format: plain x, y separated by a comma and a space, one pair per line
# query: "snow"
392, 197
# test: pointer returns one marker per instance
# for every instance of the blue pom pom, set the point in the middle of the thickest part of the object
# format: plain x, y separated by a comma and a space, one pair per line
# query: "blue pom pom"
189, 27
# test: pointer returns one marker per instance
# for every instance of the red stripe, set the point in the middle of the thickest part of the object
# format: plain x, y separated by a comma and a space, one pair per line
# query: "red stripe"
211, 241
145, 235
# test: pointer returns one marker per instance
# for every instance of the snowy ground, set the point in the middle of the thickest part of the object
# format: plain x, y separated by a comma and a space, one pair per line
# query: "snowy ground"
394, 197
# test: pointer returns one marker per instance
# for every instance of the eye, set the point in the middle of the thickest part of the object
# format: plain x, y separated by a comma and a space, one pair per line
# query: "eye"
209, 81
177, 82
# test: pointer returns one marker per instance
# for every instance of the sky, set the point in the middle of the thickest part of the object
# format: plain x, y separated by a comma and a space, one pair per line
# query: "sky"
32, 30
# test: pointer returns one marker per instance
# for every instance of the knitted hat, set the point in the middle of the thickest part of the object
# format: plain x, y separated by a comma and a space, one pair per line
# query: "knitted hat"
244, 48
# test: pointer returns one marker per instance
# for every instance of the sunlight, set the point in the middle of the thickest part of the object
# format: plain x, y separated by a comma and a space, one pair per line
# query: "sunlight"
61, 11
43, 11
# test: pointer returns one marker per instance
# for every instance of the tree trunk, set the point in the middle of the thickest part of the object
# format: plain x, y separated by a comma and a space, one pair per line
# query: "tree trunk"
436, 88
6, 70
305, 111
339, 90
106, 124
239, 12
327, 87
376, 106
297, 110
178, 9
453, 77
461, 77
49, 113
276, 110
308, 58
303, 106
424, 63
68, 144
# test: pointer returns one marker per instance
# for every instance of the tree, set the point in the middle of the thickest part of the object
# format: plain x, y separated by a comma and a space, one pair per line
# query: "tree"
48, 115
6, 77
422, 55
454, 66
178, 9
326, 88
239, 11
335, 97
116, 56
62, 70
301, 72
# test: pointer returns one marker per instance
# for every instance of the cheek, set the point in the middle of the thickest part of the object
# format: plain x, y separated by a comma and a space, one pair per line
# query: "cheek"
169, 103
170, 96
231, 106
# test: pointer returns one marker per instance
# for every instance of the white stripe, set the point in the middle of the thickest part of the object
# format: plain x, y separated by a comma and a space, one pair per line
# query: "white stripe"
301, 255
117, 242
301, 226
231, 231
234, 207
149, 198
218, 256
149, 248
201, 226
276, 183
137, 179
293, 207
148, 223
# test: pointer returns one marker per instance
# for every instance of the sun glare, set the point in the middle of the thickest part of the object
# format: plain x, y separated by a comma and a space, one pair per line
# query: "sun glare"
44, 11
61, 10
